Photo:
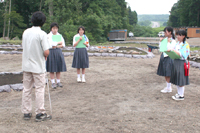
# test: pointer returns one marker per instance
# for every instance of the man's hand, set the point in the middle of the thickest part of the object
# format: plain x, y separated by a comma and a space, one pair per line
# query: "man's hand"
46, 53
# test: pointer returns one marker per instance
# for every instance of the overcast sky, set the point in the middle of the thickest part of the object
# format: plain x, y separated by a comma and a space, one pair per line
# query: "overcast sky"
151, 6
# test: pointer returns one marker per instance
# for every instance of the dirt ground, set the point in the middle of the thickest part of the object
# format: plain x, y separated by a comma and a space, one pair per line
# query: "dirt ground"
121, 95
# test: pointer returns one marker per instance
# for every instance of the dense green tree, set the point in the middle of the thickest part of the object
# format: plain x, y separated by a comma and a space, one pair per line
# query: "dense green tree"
185, 13
132, 15
98, 17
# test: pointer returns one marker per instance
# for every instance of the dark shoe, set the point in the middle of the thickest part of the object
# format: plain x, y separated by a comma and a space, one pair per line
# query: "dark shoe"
54, 86
177, 97
59, 85
42, 117
27, 116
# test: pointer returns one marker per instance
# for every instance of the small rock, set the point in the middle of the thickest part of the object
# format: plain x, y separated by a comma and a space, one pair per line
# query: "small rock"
66, 53
136, 56
104, 54
17, 87
120, 55
101, 51
128, 55
112, 54
5, 88
90, 54
97, 54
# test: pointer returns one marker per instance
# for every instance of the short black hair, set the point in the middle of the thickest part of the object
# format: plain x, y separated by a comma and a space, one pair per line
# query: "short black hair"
183, 33
38, 18
54, 24
81, 28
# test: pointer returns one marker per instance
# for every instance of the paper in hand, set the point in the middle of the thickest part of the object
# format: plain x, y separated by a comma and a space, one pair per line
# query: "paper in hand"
56, 38
172, 55
163, 45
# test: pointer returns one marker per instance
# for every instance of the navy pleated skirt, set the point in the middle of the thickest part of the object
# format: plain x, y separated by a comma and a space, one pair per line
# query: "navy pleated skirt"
55, 61
165, 66
178, 73
80, 59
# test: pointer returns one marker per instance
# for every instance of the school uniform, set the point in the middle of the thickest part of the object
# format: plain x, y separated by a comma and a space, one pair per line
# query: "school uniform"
80, 58
178, 73
166, 63
55, 61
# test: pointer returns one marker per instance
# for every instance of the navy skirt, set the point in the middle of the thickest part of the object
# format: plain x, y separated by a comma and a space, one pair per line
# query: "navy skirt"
165, 66
80, 59
55, 61
178, 73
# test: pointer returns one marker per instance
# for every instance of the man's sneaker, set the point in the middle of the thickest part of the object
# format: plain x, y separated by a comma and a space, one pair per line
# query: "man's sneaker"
42, 117
59, 85
27, 116
166, 90
78, 80
54, 86
83, 80
177, 97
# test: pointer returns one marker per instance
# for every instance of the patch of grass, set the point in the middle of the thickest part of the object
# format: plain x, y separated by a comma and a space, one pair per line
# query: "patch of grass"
15, 42
129, 45
194, 48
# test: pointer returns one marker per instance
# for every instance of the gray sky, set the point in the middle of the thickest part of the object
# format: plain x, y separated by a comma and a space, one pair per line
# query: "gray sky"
151, 6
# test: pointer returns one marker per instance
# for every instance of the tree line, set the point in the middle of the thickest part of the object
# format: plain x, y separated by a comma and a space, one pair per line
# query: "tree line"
98, 17
185, 13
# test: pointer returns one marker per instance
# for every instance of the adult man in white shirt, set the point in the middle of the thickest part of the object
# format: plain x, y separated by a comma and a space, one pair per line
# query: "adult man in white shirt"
35, 51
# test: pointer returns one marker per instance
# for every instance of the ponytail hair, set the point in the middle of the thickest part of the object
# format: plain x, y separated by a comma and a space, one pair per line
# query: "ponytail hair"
183, 33
170, 29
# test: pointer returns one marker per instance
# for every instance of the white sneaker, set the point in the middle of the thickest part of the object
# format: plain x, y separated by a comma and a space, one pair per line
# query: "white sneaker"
166, 90
177, 97
78, 80
83, 80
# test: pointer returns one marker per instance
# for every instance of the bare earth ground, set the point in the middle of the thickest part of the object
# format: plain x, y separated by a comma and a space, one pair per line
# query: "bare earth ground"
121, 95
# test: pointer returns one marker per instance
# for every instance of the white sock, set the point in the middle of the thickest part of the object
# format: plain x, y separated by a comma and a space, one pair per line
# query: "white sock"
83, 75
168, 85
52, 81
181, 91
58, 80
178, 90
78, 75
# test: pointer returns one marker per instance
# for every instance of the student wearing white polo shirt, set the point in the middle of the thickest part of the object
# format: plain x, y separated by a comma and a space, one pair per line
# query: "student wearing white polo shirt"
166, 63
35, 52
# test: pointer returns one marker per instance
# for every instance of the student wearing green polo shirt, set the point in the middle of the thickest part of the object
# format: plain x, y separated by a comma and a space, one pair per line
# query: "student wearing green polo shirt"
80, 59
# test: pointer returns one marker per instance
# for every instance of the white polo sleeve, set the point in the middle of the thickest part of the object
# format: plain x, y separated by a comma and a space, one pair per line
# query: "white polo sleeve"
44, 42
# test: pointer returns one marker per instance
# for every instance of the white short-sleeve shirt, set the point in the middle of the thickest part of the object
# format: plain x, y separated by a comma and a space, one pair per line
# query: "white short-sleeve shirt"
34, 43
77, 35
